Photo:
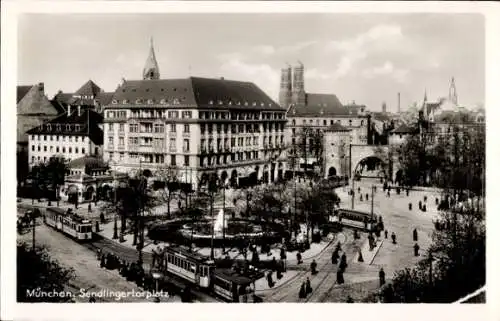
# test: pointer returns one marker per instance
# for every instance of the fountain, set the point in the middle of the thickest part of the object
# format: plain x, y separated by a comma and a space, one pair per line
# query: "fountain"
220, 223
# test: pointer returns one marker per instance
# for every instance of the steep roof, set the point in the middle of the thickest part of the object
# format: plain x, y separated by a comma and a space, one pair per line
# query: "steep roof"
22, 91
88, 89
59, 106
404, 129
63, 97
87, 161
337, 128
380, 116
449, 116
194, 92
104, 98
84, 124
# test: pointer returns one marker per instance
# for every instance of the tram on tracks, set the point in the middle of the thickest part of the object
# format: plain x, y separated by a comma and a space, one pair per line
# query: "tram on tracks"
231, 285
68, 223
357, 219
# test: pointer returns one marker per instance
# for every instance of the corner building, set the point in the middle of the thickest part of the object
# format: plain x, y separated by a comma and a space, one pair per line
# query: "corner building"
197, 126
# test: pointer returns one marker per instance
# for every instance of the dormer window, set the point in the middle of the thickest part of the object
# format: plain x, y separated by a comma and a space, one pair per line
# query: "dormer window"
68, 127
77, 127
211, 102
176, 101
58, 127
254, 104
163, 101
261, 104
322, 112
138, 101
238, 103
49, 128
230, 103
220, 102
125, 101
246, 103
150, 101
114, 101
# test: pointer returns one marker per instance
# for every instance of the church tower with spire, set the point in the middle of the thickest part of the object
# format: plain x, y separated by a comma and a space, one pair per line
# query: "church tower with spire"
151, 70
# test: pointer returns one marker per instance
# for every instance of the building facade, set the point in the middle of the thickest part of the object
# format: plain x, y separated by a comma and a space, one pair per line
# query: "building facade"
193, 129
74, 134
336, 151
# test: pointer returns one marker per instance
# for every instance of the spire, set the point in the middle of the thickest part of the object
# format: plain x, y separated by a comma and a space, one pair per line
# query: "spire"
151, 70
452, 96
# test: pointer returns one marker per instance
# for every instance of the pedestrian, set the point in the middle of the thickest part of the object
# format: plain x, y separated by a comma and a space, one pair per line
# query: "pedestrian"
424, 208
274, 264
302, 292
416, 248
407, 192
340, 276
409, 206
361, 197
335, 257
415, 235
97, 229
308, 286
381, 276
393, 237
420, 205
299, 258
313, 267
92, 299
349, 299
270, 282
359, 189
386, 232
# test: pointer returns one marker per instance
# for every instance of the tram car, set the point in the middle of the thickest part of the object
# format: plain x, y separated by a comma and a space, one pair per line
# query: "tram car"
69, 223
197, 269
357, 219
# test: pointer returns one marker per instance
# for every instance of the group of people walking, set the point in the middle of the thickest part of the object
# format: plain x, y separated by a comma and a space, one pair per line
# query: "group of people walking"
131, 271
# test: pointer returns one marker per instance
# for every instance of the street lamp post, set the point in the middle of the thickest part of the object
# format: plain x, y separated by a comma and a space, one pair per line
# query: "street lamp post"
373, 190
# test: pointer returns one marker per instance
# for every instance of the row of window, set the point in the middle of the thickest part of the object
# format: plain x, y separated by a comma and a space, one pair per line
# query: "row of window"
60, 127
57, 149
325, 122
163, 101
240, 115
63, 138
224, 159
241, 128
149, 158
147, 128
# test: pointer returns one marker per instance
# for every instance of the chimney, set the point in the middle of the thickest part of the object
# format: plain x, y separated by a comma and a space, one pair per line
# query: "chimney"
221, 78
384, 107
41, 87
399, 103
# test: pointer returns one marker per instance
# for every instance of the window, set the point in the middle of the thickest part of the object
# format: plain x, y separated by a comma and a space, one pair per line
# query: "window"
172, 147
186, 160
185, 146
122, 127
64, 150
51, 149
76, 150
83, 150
111, 127
32, 148
172, 160
134, 128
69, 150
110, 141
121, 141
44, 137
186, 128
172, 128
122, 156
159, 128
51, 137
44, 148
39, 148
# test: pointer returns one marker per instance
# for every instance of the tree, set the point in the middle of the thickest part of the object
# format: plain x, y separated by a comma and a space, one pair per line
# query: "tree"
170, 176
310, 144
37, 271
459, 239
56, 169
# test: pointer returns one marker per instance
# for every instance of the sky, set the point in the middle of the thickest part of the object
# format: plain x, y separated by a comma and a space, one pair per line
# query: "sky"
366, 58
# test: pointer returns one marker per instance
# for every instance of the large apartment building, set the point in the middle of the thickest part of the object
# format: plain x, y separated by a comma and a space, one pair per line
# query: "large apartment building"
195, 127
